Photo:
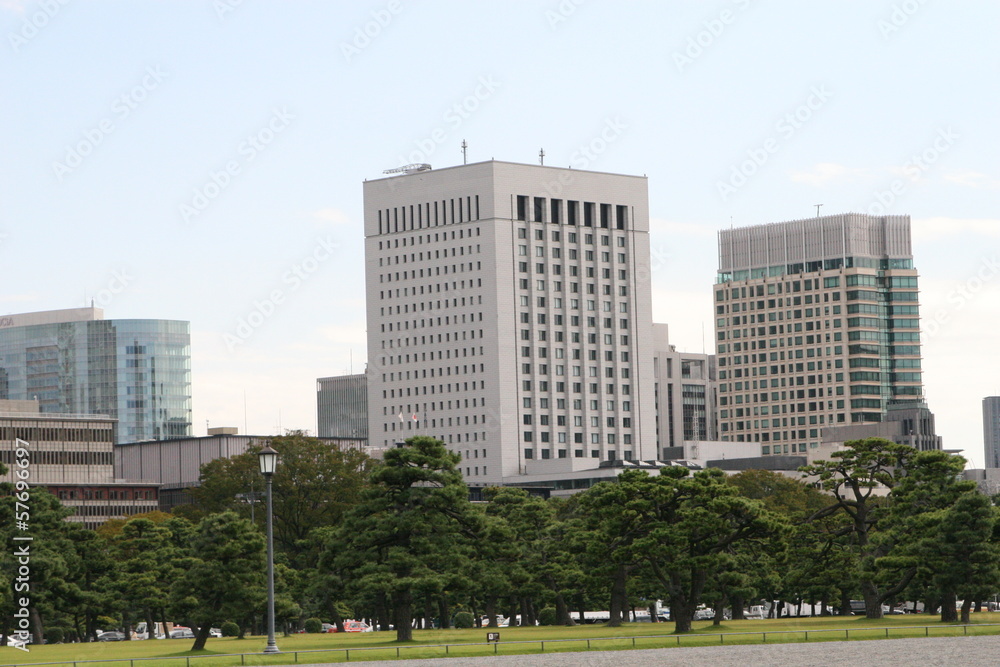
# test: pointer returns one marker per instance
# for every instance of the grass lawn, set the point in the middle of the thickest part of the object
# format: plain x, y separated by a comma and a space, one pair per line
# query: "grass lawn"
426, 644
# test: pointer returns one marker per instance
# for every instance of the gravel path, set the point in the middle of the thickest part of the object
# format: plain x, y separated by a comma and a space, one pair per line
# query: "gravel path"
944, 651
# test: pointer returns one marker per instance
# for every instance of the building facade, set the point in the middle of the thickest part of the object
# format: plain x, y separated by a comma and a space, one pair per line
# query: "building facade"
73, 457
685, 392
342, 406
991, 430
175, 465
817, 325
509, 315
74, 361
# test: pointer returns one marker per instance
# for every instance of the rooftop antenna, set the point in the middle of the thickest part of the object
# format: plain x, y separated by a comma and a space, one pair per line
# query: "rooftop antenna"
817, 209
465, 152
541, 156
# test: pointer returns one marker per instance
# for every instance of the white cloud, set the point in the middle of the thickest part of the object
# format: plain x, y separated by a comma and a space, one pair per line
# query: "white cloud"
827, 173
973, 179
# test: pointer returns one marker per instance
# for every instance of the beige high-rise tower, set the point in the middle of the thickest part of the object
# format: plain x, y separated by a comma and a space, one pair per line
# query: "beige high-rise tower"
509, 315
817, 325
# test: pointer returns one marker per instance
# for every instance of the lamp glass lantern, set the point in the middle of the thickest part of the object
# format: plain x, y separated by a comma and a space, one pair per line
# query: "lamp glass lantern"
268, 459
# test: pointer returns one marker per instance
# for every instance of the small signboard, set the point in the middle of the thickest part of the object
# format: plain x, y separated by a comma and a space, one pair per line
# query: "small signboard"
492, 637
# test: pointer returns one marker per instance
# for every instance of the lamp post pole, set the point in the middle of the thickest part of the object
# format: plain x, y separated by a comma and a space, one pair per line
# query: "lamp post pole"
268, 461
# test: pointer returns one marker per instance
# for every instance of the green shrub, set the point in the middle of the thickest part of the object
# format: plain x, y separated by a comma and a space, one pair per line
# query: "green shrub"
230, 629
547, 616
54, 635
314, 625
464, 620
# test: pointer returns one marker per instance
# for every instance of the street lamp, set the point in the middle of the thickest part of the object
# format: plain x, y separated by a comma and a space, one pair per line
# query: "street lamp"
268, 459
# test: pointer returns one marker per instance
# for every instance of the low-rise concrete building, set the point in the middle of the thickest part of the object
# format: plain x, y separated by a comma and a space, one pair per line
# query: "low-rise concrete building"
72, 456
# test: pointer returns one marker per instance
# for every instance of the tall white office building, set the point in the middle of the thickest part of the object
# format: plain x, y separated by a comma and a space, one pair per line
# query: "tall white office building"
509, 315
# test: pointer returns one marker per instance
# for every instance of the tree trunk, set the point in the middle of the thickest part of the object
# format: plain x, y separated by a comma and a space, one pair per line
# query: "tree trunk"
581, 607
737, 604
682, 615
563, 617
428, 612
403, 607
338, 620
36, 625
979, 606
966, 607
717, 615
618, 597
150, 624
512, 612
824, 603
873, 606
127, 622
201, 637
381, 610
491, 612
949, 614
444, 613
653, 613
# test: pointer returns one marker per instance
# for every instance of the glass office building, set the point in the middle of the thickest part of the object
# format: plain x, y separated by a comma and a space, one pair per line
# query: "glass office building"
74, 361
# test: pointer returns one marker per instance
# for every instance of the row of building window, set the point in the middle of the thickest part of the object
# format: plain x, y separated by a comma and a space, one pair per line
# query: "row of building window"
586, 214
440, 270
437, 237
429, 214
414, 257
43, 457
529, 453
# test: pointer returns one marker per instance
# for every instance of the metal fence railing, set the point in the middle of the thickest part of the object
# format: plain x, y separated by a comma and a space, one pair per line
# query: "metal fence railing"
446, 649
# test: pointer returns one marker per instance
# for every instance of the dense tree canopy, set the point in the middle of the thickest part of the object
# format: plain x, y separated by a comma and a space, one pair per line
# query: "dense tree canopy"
398, 542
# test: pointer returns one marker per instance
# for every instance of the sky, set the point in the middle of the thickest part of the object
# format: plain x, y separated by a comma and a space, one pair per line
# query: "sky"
203, 160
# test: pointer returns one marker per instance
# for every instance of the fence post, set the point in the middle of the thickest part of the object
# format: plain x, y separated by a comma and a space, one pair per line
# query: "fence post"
588, 644
847, 634
807, 635
926, 630
887, 633
397, 651
765, 637
633, 642
347, 655
243, 658
495, 645
543, 646
446, 649
965, 630
722, 638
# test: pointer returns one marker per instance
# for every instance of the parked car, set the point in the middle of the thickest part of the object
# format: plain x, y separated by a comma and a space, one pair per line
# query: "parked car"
180, 632
353, 626
112, 636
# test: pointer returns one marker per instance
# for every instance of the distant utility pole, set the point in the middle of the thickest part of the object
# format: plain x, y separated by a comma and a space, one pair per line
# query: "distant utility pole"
541, 156
817, 209
465, 152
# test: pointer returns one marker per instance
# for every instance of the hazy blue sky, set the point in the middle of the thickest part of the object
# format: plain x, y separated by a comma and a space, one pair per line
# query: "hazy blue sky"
193, 160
